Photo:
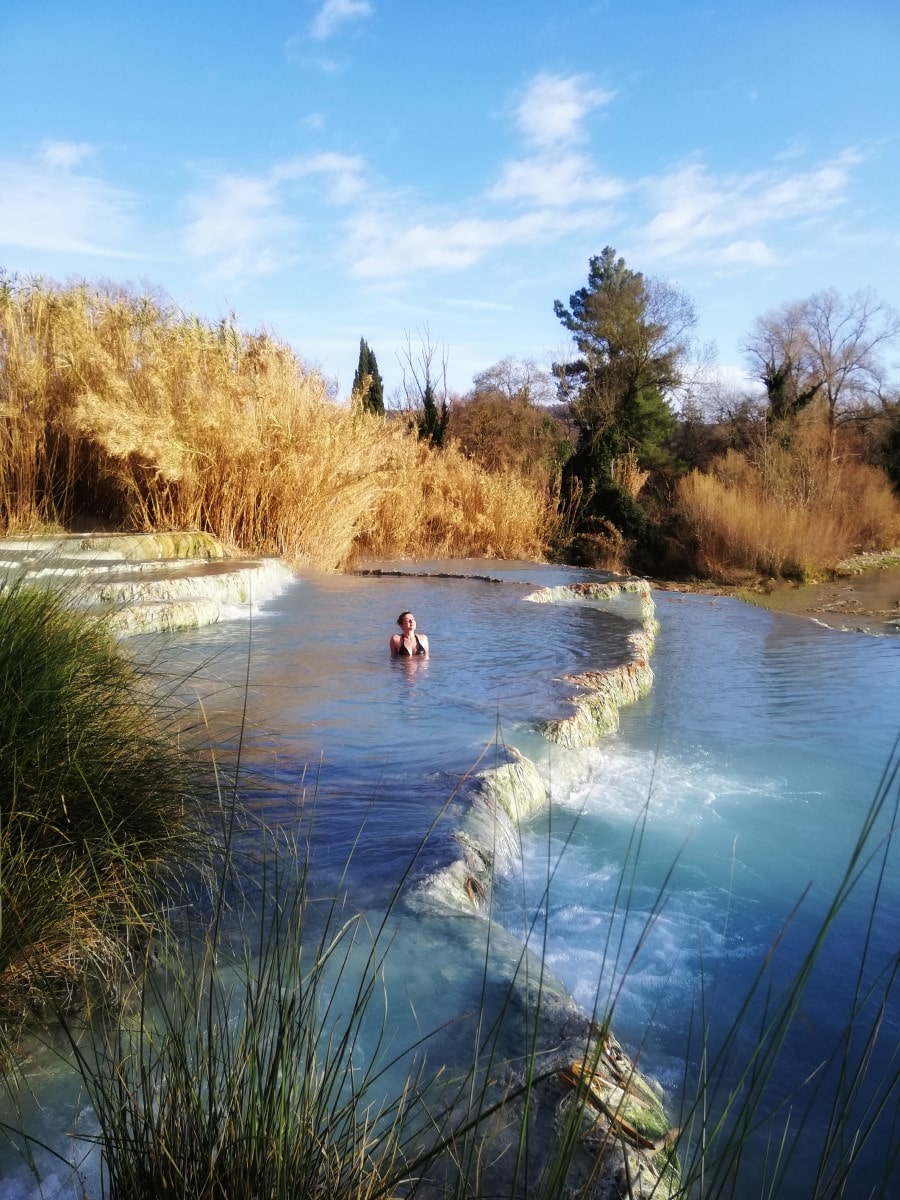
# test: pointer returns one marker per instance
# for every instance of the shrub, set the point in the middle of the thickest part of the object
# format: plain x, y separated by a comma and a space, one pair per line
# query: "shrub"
93, 803
793, 514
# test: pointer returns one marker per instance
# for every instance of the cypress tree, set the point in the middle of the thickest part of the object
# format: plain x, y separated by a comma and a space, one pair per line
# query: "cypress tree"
371, 396
433, 422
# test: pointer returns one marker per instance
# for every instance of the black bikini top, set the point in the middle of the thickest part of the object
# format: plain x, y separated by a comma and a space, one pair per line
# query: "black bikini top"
420, 649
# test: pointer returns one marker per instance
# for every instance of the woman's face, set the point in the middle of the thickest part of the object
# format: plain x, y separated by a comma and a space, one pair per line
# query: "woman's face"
407, 624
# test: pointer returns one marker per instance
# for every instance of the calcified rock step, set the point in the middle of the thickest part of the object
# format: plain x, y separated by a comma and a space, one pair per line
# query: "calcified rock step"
492, 803
143, 583
625, 1143
604, 692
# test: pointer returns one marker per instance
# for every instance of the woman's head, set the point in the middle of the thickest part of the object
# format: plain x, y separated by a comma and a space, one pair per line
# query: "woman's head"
406, 621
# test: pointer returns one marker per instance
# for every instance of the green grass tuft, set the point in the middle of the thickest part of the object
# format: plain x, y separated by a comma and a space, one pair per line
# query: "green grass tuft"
93, 800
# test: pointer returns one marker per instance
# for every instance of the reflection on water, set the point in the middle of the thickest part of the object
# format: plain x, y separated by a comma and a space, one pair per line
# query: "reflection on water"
754, 759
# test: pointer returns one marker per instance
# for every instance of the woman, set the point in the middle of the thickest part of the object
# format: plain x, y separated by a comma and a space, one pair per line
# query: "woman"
408, 643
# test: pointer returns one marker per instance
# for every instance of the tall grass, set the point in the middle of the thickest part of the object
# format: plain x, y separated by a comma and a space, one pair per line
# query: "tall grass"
258, 1055
792, 515
93, 802
120, 408
241, 1072
444, 504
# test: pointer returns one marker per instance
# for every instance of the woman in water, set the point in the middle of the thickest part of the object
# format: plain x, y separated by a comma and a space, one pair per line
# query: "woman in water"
408, 643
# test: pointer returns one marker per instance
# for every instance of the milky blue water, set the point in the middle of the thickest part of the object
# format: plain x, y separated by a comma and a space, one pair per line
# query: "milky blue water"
745, 777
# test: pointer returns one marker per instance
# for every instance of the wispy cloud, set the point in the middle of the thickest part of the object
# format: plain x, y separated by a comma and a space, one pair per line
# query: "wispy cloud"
554, 108
381, 248
554, 181
238, 226
335, 13
65, 155
729, 217
542, 197
343, 174
47, 205
246, 226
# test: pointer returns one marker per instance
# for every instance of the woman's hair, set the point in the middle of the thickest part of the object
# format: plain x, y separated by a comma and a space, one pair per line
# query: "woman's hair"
406, 613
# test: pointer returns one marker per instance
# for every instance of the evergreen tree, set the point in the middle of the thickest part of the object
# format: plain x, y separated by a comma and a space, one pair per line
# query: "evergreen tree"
630, 334
433, 423
368, 385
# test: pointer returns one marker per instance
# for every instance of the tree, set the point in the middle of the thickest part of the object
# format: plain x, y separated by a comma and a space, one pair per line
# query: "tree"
433, 422
368, 386
827, 348
503, 422
515, 379
420, 387
632, 338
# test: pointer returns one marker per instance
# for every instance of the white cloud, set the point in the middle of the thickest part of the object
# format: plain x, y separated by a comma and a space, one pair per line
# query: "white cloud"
65, 154
379, 249
728, 215
247, 226
335, 13
44, 206
555, 181
554, 108
344, 173
239, 222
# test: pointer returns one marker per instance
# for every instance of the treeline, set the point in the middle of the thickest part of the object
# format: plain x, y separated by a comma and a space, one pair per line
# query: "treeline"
657, 464
631, 455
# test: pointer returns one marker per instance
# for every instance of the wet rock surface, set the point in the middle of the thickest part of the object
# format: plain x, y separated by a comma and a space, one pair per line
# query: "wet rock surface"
863, 595
143, 583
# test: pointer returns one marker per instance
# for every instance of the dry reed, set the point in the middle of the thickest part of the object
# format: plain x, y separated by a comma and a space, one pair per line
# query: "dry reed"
122, 410
794, 515
443, 504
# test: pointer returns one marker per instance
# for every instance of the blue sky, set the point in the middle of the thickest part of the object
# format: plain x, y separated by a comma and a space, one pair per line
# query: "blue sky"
331, 169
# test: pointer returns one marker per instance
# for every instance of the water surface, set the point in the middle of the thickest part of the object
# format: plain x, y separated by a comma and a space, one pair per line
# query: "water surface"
745, 776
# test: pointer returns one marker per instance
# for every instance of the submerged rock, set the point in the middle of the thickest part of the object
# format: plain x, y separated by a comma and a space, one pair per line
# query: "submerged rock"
589, 1117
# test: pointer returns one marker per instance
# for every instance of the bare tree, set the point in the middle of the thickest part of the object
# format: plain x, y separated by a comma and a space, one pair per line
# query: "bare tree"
827, 347
424, 382
516, 379
421, 365
505, 419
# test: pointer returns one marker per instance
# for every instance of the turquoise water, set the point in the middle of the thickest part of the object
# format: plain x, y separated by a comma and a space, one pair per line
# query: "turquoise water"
746, 774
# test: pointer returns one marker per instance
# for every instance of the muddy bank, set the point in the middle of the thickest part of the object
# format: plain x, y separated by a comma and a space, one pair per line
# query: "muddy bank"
862, 597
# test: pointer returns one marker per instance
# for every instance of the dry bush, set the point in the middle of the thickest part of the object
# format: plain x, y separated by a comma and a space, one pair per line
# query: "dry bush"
441, 504
501, 432
867, 505
628, 475
120, 408
796, 513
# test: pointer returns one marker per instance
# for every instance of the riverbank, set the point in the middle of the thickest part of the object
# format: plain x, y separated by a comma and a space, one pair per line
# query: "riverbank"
862, 597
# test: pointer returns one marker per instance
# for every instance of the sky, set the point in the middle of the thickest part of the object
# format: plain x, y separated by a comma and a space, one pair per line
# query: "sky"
416, 171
